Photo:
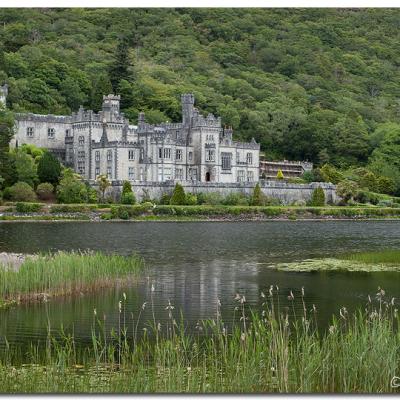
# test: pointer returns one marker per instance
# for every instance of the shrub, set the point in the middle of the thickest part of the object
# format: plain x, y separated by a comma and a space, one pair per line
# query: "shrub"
128, 198
178, 196
45, 191
126, 187
385, 203
210, 198
331, 174
71, 189
257, 198
191, 199
92, 195
49, 168
103, 183
165, 199
71, 208
106, 216
300, 203
236, 199
279, 175
347, 190
318, 197
21, 191
27, 207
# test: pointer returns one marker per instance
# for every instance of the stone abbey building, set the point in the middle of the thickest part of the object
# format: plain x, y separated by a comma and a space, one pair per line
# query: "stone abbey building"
198, 149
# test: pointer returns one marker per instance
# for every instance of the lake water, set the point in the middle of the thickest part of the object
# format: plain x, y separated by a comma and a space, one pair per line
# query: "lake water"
192, 265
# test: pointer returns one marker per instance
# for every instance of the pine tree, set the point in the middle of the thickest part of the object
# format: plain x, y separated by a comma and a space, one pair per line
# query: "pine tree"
318, 197
127, 195
257, 198
178, 197
118, 69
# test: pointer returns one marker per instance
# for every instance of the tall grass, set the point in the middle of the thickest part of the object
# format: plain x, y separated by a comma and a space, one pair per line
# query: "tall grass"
267, 352
64, 273
377, 257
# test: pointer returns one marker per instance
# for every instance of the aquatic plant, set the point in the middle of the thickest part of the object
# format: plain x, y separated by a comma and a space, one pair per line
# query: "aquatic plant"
64, 273
386, 260
272, 351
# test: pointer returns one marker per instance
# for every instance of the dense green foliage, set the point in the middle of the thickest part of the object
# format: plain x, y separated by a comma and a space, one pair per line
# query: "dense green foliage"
318, 197
20, 191
71, 188
49, 168
307, 83
45, 191
127, 196
178, 196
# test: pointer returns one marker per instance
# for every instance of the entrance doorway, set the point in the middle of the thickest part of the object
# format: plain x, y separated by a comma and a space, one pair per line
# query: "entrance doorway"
208, 178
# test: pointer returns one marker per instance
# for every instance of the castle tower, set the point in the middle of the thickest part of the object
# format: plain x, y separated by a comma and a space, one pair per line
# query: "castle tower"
187, 101
110, 105
3, 94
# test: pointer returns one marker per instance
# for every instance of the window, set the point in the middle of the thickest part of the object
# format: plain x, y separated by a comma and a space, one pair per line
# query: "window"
109, 155
97, 155
131, 155
237, 156
109, 172
249, 158
81, 167
250, 176
141, 153
210, 138
179, 174
240, 175
190, 155
141, 174
97, 172
167, 174
29, 131
68, 133
210, 155
81, 140
159, 152
51, 133
167, 153
193, 174
226, 161
178, 155
81, 155
131, 173
160, 174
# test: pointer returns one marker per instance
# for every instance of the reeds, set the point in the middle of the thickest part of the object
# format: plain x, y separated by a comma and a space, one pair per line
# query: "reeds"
64, 273
271, 351
389, 256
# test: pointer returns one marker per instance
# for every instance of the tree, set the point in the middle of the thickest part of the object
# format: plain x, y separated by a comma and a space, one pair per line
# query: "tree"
279, 175
118, 69
104, 184
71, 188
331, 174
257, 198
178, 196
318, 197
127, 196
7, 163
49, 169
26, 168
347, 190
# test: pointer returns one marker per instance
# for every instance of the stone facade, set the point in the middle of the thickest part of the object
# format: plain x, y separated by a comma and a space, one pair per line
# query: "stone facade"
290, 169
287, 193
197, 149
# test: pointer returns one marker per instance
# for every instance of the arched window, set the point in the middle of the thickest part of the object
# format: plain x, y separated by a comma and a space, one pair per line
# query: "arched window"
81, 140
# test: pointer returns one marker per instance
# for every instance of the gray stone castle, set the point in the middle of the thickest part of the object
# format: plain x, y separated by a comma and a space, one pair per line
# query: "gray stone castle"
197, 149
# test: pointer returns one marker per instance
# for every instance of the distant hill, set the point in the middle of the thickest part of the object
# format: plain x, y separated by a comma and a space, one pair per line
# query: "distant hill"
307, 83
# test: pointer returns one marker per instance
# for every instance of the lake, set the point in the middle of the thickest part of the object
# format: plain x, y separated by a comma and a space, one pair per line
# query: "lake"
193, 264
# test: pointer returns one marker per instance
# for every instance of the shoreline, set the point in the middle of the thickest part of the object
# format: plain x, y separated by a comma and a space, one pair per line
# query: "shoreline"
148, 212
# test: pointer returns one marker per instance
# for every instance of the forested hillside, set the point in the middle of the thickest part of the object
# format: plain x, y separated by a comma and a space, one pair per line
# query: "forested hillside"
317, 84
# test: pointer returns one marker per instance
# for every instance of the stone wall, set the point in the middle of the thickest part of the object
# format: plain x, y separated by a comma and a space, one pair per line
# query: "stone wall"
286, 192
